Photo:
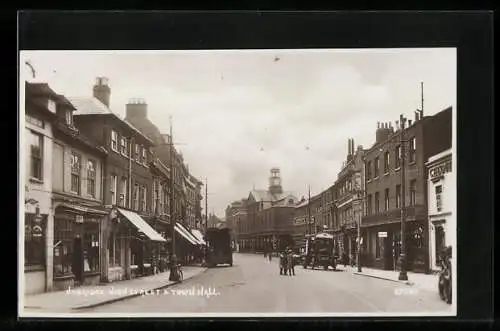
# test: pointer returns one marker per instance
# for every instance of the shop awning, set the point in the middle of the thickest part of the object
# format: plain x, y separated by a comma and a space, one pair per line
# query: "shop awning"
141, 225
197, 234
82, 209
188, 232
183, 233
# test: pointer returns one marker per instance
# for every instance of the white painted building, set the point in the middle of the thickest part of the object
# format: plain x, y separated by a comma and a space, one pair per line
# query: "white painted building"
441, 203
36, 227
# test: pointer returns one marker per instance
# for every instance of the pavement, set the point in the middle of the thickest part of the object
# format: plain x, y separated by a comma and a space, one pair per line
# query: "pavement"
419, 280
253, 286
85, 297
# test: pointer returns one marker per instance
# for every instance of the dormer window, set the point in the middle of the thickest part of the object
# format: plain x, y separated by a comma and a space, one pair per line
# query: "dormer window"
51, 106
69, 117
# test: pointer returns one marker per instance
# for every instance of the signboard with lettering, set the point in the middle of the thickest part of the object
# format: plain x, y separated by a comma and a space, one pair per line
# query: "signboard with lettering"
382, 234
440, 169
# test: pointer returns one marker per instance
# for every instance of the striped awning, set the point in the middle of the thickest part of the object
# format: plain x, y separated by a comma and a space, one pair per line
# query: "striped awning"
185, 234
197, 234
141, 225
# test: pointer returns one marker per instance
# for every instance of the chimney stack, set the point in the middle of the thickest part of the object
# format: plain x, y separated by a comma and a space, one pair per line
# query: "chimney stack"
409, 123
101, 90
136, 108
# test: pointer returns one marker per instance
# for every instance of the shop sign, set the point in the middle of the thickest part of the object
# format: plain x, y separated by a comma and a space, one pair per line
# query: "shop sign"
79, 219
440, 170
382, 234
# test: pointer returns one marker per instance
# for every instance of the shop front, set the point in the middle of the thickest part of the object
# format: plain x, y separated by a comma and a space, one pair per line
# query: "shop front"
138, 247
188, 248
76, 248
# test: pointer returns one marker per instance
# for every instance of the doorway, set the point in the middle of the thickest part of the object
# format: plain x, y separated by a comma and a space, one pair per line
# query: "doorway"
440, 241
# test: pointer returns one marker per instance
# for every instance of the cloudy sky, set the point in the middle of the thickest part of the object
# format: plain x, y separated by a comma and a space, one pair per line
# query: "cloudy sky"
239, 113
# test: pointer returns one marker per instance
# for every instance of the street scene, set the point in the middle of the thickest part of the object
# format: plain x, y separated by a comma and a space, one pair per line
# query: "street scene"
245, 183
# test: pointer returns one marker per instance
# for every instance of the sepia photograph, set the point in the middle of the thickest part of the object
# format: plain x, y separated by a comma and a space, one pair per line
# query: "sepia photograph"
238, 183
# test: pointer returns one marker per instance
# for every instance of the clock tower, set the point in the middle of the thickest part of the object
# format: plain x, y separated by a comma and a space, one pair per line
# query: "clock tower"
275, 182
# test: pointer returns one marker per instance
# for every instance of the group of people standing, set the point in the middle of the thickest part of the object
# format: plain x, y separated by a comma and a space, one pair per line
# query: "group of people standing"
287, 263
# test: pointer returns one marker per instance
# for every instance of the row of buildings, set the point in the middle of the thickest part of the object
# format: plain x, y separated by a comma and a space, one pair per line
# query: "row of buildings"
98, 189
366, 199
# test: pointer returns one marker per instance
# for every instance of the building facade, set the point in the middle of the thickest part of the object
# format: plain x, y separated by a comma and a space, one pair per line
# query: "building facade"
269, 217
40, 112
348, 204
77, 203
441, 202
126, 236
235, 214
384, 193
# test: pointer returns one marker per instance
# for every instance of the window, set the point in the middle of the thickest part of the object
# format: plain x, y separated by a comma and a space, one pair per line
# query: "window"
144, 156
114, 140
51, 105
413, 191
91, 178
91, 246
123, 146
123, 194
34, 241
69, 117
369, 170
386, 199
36, 155
75, 172
439, 202
63, 245
387, 157
397, 157
413, 145
398, 196
377, 202
137, 152
369, 205
114, 250
376, 167
113, 189
136, 197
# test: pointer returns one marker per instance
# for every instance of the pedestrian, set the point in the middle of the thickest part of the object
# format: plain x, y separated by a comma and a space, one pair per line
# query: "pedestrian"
265, 253
289, 262
282, 262
270, 255
345, 259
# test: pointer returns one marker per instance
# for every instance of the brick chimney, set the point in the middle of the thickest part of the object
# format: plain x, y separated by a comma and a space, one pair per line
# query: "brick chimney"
384, 131
101, 90
136, 108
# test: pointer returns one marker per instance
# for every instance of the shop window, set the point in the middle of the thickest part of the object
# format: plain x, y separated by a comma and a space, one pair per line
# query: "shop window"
378, 246
34, 241
439, 202
63, 246
413, 192
76, 160
91, 247
36, 155
91, 177
114, 250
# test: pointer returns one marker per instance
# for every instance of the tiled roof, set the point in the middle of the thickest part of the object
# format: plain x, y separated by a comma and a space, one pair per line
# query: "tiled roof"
75, 134
92, 106
40, 89
263, 195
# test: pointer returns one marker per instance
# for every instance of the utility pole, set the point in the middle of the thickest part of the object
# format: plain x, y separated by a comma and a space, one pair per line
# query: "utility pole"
172, 187
422, 98
206, 206
403, 275
309, 212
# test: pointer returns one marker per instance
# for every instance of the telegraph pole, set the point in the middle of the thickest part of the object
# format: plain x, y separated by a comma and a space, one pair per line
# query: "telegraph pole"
172, 188
206, 206
402, 274
309, 211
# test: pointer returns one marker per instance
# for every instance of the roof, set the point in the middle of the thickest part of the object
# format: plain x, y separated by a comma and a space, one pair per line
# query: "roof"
439, 156
40, 89
92, 106
75, 134
263, 195
302, 203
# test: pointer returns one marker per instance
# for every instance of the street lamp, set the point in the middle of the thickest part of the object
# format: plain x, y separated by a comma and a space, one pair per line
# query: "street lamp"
403, 274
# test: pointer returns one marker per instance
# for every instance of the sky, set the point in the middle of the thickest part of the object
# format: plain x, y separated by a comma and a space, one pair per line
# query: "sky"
236, 114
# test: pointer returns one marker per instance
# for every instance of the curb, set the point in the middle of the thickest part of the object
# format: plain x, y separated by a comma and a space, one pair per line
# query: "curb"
102, 303
384, 278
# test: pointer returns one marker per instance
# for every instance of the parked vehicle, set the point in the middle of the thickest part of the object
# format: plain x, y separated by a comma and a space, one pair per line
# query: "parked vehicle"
219, 247
320, 251
445, 276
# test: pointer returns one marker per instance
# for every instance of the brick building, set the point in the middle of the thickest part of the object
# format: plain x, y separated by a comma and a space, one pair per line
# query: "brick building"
235, 215
348, 204
425, 136
269, 217
126, 237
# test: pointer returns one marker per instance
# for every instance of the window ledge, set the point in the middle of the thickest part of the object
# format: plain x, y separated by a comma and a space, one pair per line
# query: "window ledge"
33, 268
36, 180
386, 174
64, 277
376, 178
397, 169
115, 150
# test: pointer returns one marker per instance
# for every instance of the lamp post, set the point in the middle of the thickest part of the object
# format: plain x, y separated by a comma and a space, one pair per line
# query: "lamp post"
403, 274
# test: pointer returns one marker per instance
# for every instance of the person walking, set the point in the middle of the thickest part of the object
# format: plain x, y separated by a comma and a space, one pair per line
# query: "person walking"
289, 262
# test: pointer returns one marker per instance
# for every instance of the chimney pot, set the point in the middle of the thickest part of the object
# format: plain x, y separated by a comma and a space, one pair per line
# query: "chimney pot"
101, 90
